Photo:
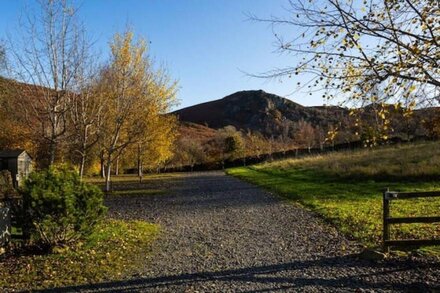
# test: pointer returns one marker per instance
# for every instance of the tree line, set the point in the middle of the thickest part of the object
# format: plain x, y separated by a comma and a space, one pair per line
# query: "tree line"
69, 104
199, 145
64, 103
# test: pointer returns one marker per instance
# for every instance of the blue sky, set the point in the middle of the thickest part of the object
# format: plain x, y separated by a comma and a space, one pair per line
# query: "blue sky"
205, 44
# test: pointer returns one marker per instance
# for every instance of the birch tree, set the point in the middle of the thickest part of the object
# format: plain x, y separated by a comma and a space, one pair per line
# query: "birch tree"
86, 113
132, 89
156, 147
47, 57
305, 135
378, 51
2, 57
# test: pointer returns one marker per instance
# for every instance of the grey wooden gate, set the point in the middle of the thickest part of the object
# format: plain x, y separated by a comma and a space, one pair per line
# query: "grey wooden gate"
389, 196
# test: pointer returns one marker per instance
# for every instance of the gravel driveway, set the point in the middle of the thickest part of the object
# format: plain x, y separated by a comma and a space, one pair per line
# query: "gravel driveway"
224, 235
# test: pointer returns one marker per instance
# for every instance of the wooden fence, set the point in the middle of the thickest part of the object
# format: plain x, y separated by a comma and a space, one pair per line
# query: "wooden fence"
388, 197
291, 153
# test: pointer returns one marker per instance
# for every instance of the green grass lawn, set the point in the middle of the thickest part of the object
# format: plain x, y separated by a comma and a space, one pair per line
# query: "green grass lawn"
114, 250
346, 188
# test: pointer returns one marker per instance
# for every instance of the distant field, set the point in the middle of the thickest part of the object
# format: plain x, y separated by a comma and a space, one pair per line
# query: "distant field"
346, 187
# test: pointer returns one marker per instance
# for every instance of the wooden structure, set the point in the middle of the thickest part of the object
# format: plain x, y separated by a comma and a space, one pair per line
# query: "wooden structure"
18, 162
389, 196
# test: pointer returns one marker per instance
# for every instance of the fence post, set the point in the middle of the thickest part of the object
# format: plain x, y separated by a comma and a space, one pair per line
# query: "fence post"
386, 215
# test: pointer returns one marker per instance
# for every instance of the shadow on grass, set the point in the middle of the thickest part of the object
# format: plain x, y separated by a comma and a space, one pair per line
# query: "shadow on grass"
361, 275
298, 184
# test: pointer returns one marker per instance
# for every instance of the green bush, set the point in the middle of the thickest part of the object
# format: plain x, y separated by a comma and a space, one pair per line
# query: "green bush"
59, 209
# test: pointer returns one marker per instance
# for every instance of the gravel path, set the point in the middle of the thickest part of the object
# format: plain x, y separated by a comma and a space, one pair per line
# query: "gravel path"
224, 235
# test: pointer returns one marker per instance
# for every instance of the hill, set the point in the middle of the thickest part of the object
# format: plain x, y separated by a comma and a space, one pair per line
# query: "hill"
272, 116
259, 111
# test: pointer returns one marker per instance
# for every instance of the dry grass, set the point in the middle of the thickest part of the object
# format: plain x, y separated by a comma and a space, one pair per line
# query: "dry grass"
409, 161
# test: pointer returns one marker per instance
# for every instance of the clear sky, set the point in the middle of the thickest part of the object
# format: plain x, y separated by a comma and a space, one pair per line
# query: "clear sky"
205, 44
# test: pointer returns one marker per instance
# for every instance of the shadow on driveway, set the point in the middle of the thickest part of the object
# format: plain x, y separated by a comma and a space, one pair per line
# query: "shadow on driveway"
284, 276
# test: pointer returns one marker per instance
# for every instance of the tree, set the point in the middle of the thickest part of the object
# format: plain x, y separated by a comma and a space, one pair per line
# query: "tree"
432, 123
235, 146
156, 144
371, 51
135, 95
305, 134
192, 152
332, 135
49, 58
256, 144
86, 113
321, 137
58, 208
156, 147
230, 143
285, 137
2, 57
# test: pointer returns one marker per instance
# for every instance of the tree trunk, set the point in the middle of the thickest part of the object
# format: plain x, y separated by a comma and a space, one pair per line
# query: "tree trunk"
109, 173
139, 164
52, 150
102, 165
140, 172
117, 167
139, 167
82, 165
83, 153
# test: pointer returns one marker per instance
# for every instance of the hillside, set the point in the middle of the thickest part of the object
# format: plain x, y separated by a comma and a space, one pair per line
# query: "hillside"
196, 132
258, 111
269, 115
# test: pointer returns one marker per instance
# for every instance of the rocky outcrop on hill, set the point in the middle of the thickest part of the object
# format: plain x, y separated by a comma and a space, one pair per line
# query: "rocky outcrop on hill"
259, 111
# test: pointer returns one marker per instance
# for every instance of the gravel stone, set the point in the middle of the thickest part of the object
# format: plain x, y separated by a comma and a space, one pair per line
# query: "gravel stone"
220, 234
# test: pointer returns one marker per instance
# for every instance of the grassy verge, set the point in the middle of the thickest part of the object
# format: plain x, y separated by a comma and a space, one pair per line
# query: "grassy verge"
346, 188
112, 251
129, 185
130, 178
143, 192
